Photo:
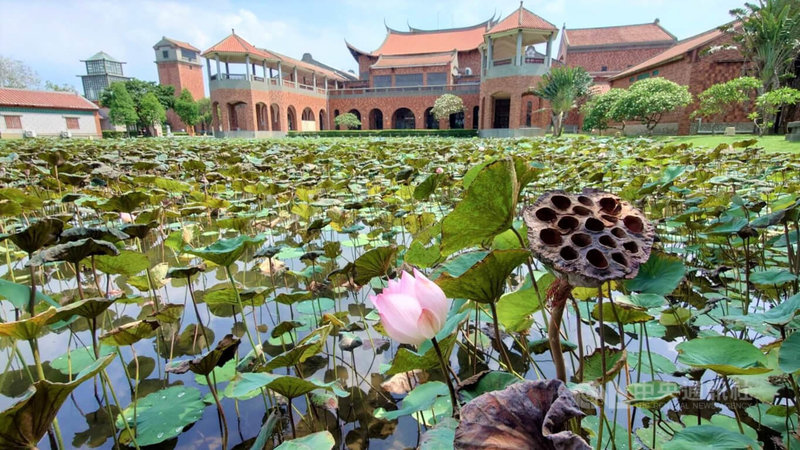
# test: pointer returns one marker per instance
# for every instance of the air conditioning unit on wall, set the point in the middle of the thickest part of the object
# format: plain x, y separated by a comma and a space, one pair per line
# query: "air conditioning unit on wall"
29, 134
66, 134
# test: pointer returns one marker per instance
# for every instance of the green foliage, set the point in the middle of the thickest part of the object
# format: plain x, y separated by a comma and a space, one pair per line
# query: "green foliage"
149, 109
598, 111
769, 103
347, 120
721, 98
205, 115
122, 109
648, 100
563, 87
446, 105
767, 37
186, 108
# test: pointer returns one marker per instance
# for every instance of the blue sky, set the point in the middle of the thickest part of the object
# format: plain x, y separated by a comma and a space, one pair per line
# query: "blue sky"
53, 36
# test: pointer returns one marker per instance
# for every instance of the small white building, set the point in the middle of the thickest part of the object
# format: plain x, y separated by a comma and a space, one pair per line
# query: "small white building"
26, 113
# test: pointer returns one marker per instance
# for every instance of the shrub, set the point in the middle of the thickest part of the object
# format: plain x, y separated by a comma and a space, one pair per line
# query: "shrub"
347, 120
648, 100
385, 133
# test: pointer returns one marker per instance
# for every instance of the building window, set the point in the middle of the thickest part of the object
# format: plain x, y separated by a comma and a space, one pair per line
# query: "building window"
382, 81
437, 79
407, 80
655, 73
13, 122
468, 71
165, 54
632, 79
529, 114
604, 69
73, 123
189, 54
643, 76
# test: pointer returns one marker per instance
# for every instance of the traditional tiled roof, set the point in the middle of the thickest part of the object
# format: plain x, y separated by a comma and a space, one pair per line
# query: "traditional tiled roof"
177, 43
427, 59
673, 53
522, 18
434, 41
44, 99
236, 44
617, 35
100, 56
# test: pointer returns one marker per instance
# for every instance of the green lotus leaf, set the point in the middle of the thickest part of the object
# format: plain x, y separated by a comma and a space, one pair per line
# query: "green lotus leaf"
722, 354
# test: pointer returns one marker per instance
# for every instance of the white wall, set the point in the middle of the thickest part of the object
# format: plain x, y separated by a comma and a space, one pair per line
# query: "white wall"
48, 122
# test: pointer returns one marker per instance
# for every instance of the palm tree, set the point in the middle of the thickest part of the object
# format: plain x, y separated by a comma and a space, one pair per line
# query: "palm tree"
768, 35
562, 87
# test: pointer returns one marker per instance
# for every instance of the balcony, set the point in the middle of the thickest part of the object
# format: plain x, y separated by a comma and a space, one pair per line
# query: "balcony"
505, 68
241, 81
406, 91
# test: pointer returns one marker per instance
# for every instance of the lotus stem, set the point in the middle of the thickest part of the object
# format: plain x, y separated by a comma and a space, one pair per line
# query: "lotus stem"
32, 300
506, 359
197, 313
220, 410
558, 296
444, 365
105, 380
258, 353
603, 370
40, 372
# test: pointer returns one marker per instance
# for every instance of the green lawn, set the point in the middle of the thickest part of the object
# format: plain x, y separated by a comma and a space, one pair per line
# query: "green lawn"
770, 143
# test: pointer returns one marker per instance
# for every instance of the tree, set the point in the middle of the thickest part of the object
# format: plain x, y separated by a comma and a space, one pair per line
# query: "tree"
721, 98
563, 87
446, 105
768, 104
597, 112
16, 74
186, 108
204, 113
50, 86
138, 90
347, 120
151, 111
766, 32
121, 108
648, 100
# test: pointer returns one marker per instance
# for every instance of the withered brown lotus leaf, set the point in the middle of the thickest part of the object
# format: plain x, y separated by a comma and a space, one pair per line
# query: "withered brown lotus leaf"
526, 415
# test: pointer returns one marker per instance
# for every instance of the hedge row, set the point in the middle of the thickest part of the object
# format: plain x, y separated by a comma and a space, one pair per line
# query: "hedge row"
385, 133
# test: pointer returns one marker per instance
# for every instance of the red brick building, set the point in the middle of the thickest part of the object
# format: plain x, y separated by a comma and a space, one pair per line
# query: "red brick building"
698, 62
179, 66
491, 66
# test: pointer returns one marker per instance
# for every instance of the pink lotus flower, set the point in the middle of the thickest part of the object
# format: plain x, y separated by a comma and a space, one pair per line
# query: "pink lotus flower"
126, 217
412, 309
439, 170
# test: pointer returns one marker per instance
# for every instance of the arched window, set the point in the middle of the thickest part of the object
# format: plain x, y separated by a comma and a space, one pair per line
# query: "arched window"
528, 114
403, 119
475, 121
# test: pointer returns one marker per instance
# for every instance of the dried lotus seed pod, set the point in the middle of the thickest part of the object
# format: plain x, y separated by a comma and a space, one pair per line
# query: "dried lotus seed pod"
588, 238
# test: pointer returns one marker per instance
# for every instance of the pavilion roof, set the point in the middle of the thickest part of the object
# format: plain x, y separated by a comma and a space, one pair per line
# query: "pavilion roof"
522, 18
425, 59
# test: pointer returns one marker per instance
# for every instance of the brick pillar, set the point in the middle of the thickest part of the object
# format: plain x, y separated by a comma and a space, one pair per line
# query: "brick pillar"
224, 110
514, 111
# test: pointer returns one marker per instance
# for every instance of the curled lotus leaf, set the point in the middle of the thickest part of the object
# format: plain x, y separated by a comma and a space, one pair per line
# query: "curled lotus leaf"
138, 230
531, 414
74, 251
224, 352
186, 272
99, 233
38, 235
25, 423
225, 251
129, 333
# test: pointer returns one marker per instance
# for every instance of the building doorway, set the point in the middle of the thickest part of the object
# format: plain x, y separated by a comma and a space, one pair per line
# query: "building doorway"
403, 119
376, 119
430, 121
502, 108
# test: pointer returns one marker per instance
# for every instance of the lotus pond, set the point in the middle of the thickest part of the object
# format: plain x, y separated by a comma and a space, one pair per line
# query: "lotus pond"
216, 293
